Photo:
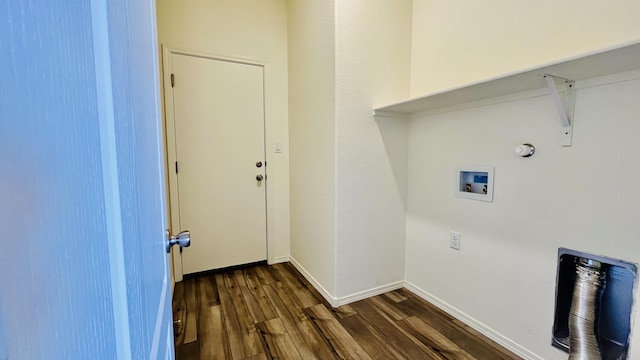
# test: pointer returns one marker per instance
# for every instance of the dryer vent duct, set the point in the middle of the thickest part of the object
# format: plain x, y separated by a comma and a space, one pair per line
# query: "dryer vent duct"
594, 298
583, 343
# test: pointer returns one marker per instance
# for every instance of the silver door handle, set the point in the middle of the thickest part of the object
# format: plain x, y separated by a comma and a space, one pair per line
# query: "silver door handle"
183, 239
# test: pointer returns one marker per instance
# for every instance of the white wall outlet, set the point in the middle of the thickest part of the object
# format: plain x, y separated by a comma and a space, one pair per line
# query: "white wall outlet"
454, 240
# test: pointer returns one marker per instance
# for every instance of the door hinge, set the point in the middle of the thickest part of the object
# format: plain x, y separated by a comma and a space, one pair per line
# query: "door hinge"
176, 167
173, 80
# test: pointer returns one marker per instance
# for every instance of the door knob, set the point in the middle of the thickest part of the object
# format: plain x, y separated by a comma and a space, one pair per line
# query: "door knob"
183, 239
259, 177
259, 164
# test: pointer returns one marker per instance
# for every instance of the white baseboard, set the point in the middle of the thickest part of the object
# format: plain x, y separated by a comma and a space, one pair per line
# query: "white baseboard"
278, 260
334, 301
327, 295
451, 310
369, 293
473, 323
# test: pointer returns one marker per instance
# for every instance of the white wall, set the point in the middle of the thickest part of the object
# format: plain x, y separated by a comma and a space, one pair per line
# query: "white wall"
373, 50
457, 42
312, 138
348, 172
581, 197
255, 30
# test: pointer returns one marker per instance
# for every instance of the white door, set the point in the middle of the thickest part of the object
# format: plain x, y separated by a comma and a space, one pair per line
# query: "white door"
82, 198
215, 116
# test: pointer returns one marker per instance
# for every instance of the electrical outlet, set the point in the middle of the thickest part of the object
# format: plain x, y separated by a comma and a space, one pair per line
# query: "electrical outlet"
454, 240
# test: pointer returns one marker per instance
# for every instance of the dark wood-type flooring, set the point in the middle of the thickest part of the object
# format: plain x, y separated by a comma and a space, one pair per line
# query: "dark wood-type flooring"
272, 312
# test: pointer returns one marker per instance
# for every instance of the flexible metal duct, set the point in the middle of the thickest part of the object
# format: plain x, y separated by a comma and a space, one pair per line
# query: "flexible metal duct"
583, 343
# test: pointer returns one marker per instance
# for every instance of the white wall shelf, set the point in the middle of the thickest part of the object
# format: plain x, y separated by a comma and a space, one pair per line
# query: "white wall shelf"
599, 63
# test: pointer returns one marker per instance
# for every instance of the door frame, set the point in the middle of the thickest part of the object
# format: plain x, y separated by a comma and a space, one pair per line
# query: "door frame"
169, 125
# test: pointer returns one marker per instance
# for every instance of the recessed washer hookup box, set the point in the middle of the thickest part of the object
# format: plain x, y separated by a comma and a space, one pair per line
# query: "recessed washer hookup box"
475, 182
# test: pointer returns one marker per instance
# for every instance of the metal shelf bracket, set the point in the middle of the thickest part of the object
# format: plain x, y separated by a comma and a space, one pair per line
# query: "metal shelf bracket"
565, 104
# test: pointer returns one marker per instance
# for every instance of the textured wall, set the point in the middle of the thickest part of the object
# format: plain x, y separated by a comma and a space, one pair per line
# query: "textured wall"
373, 50
312, 138
255, 30
458, 42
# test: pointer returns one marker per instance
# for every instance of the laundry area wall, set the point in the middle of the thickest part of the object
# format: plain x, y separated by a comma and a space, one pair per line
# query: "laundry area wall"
372, 199
581, 197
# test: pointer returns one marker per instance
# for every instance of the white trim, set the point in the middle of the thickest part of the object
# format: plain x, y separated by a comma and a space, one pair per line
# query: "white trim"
110, 177
229, 58
327, 295
473, 323
279, 259
449, 309
169, 346
268, 202
164, 315
160, 317
369, 293
169, 126
334, 301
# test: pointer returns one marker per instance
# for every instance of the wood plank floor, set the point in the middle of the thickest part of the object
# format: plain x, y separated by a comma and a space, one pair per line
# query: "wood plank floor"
272, 312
